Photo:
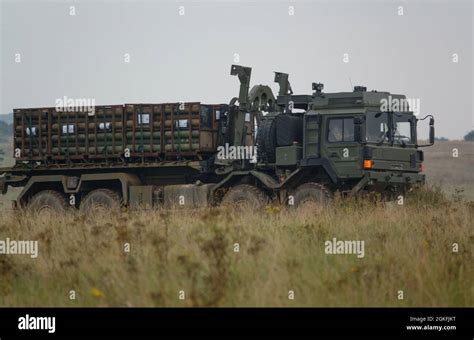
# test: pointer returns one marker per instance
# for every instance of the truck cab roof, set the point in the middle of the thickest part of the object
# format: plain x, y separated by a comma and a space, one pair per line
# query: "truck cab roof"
340, 102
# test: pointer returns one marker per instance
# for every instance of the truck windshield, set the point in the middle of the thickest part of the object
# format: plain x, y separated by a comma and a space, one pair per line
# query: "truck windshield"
377, 127
402, 128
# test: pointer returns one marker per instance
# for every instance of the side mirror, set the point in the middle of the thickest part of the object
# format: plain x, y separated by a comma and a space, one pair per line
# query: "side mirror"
358, 129
432, 131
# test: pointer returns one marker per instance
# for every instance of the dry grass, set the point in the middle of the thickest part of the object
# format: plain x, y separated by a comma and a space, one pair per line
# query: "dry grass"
454, 174
407, 248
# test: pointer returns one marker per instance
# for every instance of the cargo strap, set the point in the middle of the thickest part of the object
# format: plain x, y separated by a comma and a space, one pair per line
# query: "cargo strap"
142, 147
67, 136
104, 121
178, 130
30, 132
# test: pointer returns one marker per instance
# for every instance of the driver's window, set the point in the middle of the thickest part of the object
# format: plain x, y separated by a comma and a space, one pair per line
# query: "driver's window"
341, 130
335, 130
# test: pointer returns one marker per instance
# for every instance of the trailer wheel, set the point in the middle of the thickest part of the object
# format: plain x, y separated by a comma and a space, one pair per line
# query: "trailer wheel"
100, 200
245, 196
310, 194
47, 201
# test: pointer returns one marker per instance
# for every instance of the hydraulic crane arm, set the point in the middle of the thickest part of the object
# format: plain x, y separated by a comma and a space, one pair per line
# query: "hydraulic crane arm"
285, 89
238, 116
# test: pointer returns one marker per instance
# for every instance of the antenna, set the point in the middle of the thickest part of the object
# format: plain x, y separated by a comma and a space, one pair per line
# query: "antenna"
350, 81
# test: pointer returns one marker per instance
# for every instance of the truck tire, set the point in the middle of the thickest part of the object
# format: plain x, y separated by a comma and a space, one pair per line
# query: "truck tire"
101, 200
245, 196
311, 193
47, 201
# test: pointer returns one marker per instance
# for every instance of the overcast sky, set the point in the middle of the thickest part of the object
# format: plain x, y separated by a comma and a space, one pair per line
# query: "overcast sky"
187, 57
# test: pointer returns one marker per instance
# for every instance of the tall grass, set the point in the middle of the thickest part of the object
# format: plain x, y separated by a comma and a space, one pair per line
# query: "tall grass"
408, 248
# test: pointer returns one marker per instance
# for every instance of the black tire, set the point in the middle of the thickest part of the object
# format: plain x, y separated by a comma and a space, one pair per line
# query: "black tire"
311, 193
47, 201
101, 200
246, 197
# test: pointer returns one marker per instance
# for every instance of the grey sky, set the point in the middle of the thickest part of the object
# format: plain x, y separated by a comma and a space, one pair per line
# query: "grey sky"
188, 57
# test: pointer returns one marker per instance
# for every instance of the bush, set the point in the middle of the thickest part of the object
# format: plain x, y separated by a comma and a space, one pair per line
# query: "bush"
469, 136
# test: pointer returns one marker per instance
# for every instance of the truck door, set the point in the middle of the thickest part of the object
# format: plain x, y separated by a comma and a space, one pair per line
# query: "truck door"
340, 147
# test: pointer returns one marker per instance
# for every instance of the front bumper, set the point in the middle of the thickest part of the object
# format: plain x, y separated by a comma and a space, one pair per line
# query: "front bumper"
388, 180
394, 178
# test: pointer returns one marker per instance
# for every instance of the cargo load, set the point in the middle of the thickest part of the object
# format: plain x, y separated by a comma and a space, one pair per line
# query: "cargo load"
166, 131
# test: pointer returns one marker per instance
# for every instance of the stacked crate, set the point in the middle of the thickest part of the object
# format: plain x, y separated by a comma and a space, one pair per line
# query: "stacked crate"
181, 128
104, 133
209, 116
79, 134
169, 131
30, 128
64, 135
143, 129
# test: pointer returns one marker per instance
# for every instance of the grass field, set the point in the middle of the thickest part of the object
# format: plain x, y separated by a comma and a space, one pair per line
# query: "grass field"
455, 175
190, 258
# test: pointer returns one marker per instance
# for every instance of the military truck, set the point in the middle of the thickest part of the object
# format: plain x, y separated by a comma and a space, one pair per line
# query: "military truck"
258, 149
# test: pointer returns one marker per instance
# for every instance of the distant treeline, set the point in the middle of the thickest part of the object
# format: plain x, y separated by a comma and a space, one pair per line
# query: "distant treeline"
469, 136
6, 126
6, 130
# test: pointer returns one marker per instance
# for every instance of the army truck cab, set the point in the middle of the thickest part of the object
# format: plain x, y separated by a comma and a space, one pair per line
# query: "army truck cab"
258, 149
348, 144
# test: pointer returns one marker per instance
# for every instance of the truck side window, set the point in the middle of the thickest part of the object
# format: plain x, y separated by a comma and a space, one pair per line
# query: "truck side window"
341, 130
335, 130
348, 129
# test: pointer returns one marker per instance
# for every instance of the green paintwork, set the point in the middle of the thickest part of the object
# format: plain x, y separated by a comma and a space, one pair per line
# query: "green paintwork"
288, 155
315, 155
141, 196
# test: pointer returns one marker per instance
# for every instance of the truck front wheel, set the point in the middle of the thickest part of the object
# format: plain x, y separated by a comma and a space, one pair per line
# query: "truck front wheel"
100, 200
47, 201
245, 196
310, 194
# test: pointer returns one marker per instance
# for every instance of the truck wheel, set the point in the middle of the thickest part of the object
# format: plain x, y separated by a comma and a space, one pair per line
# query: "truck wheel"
47, 202
100, 200
245, 196
309, 194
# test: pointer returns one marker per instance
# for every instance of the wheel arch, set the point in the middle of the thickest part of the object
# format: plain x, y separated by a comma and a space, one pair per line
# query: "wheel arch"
264, 181
119, 180
38, 183
63, 183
